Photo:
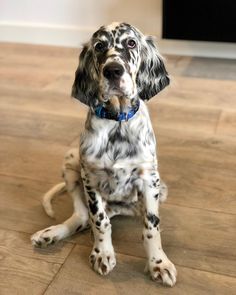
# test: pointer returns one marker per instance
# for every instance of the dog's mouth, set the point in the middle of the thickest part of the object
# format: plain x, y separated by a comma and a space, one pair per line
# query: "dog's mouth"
117, 99
115, 90
122, 88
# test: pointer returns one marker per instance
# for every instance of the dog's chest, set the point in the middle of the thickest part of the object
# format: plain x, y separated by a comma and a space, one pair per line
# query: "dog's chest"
115, 156
119, 184
116, 167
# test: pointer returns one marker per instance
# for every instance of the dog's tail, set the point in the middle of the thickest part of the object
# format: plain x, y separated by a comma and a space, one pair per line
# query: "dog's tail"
49, 196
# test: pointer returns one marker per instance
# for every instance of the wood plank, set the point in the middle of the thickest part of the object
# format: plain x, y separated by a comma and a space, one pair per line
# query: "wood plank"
199, 170
35, 66
227, 123
191, 186
76, 277
63, 84
196, 119
23, 271
31, 158
187, 91
198, 148
21, 208
40, 61
26, 78
58, 52
40, 126
49, 101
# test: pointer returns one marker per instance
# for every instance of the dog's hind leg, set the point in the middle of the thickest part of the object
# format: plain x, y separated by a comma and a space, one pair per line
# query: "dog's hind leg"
79, 219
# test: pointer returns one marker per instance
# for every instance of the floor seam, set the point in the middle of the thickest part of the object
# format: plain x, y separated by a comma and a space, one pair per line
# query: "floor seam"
44, 292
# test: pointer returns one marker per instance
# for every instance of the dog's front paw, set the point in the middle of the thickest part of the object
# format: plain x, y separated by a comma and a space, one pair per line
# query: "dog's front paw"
48, 236
162, 270
102, 261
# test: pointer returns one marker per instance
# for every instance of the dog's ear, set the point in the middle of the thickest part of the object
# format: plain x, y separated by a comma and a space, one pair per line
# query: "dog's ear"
152, 76
85, 87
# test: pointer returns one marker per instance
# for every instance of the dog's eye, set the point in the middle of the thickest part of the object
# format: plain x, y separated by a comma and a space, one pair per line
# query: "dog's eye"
99, 46
131, 43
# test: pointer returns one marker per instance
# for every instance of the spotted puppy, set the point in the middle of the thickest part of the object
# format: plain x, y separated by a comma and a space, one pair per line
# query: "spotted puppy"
115, 171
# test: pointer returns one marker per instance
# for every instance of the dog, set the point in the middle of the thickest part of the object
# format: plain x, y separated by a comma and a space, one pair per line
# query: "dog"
115, 170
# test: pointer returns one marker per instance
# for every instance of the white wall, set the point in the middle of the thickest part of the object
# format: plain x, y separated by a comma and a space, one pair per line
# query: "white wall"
71, 22
81, 13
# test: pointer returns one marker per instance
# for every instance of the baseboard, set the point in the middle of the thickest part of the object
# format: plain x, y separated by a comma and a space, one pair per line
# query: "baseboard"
44, 34
73, 36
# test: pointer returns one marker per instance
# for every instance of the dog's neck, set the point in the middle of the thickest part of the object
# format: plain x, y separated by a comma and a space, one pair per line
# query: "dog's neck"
118, 108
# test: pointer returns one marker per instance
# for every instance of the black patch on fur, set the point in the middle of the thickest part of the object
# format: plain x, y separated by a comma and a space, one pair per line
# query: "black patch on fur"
98, 223
92, 195
101, 216
101, 152
153, 219
117, 136
78, 228
152, 76
85, 88
116, 154
131, 152
155, 182
96, 250
77, 183
156, 196
127, 181
104, 268
93, 206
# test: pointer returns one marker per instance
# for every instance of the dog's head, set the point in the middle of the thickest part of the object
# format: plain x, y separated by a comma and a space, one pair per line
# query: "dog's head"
119, 61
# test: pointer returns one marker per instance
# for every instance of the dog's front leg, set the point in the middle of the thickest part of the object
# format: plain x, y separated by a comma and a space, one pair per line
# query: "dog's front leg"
159, 266
102, 257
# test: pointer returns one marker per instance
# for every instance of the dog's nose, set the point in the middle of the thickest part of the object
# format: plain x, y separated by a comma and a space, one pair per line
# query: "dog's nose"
113, 71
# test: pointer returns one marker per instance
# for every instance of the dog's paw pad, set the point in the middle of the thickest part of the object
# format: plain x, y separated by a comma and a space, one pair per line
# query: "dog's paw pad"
47, 237
102, 262
163, 271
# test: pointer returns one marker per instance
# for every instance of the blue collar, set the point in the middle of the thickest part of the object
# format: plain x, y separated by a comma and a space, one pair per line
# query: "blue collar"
103, 113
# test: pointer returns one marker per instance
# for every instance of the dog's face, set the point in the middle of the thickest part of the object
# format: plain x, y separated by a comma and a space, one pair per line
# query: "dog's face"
119, 61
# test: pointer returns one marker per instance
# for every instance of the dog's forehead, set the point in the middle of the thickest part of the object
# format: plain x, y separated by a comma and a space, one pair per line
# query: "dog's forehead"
115, 31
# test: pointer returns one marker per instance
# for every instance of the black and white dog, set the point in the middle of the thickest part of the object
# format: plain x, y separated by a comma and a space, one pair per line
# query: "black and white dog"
115, 170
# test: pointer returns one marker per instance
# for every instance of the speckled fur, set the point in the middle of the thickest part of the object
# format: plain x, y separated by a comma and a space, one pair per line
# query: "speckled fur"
115, 170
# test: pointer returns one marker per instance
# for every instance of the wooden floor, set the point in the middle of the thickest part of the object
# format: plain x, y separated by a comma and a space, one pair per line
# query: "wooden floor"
195, 122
